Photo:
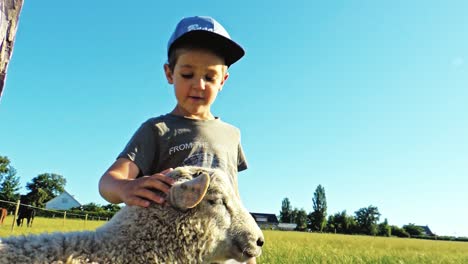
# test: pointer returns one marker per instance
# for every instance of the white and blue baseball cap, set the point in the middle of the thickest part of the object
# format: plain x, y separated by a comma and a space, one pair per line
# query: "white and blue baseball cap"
206, 32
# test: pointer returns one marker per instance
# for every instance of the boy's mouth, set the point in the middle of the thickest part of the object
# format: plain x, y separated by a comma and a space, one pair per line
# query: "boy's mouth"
197, 98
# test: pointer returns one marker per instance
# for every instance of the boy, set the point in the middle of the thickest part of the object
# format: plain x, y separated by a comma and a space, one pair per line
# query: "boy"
199, 54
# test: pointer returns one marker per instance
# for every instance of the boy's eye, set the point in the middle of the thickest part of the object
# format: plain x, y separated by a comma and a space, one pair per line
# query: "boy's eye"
211, 78
187, 76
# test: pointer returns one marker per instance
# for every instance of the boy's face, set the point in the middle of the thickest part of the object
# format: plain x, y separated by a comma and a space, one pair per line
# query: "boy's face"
198, 76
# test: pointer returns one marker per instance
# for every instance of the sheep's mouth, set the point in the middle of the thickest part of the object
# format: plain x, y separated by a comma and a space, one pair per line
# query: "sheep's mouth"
247, 252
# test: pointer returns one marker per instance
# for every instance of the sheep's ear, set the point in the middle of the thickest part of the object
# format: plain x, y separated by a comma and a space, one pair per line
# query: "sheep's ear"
189, 194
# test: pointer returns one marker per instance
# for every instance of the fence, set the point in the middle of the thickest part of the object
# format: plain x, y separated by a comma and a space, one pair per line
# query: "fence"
49, 213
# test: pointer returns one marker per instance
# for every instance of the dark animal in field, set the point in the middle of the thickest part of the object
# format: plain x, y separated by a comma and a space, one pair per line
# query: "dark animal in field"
3, 215
28, 213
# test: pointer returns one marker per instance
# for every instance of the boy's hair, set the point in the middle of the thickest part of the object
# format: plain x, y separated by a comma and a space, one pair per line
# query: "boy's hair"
175, 51
203, 33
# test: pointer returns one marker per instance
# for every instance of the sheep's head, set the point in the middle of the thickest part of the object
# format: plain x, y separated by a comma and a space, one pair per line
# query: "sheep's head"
210, 193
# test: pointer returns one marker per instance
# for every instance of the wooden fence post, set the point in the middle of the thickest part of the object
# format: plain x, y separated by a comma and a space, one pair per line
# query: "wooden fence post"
86, 219
15, 215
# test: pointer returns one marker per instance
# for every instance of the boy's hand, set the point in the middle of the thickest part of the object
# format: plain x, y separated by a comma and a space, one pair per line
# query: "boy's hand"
140, 191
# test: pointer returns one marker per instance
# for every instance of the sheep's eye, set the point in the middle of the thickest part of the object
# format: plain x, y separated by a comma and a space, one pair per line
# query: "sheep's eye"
198, 173
216, 202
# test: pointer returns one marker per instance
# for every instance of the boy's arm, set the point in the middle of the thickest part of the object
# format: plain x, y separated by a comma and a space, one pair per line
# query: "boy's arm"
111, 182
120, 184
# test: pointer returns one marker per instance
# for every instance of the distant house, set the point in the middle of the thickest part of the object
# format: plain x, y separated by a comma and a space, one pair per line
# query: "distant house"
63, 201
426, 231
266, 221
287, 226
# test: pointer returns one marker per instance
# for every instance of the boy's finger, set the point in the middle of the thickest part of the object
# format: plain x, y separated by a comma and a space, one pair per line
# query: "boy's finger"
159, 185
164, 178
135, 200
166, 171
149, 195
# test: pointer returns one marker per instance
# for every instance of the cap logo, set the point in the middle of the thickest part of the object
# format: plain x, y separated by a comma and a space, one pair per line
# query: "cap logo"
198, 27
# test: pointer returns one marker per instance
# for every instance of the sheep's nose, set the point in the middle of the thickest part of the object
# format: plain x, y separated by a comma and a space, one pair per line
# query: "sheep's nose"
260, 242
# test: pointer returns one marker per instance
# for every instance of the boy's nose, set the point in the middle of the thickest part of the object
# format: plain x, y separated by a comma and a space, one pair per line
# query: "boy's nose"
199, 84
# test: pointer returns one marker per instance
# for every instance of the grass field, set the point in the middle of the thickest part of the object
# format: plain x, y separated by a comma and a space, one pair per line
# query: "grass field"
304, 248
299, 247
41, 225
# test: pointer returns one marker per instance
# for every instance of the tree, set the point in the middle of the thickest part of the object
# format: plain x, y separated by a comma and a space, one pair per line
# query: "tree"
318, 218
9, 182
331, 224
413, 229
9, 187
9, 17
286, 211
384, 229
4, 165
367, 219
111, 208
341, 223
35, 198
300, 219
399, 232
92, 207
45, 187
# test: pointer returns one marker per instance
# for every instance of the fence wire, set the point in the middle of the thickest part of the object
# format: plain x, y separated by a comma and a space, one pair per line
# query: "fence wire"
65, 213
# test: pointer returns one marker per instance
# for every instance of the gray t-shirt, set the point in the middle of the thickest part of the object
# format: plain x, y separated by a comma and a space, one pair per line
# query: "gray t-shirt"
169, 141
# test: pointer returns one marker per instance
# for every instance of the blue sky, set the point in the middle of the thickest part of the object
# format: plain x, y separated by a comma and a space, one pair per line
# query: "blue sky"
366, 98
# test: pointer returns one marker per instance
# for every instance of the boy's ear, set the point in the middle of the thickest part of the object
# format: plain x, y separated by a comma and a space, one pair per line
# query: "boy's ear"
168, 73
226, 76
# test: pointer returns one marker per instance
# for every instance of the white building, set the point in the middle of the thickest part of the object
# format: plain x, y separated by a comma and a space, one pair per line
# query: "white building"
63, 201
287, 226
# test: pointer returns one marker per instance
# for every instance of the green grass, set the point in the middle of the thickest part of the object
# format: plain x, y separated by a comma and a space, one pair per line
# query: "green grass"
299, 247
41, 225
305, 248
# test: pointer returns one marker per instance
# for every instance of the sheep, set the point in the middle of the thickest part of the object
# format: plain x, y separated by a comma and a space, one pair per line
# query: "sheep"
203, 221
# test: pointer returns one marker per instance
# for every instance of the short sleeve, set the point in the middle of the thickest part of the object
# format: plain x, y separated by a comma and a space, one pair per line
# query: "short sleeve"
141, 148
241, 160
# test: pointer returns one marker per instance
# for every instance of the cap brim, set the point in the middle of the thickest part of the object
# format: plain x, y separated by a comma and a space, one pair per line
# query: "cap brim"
230, 50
